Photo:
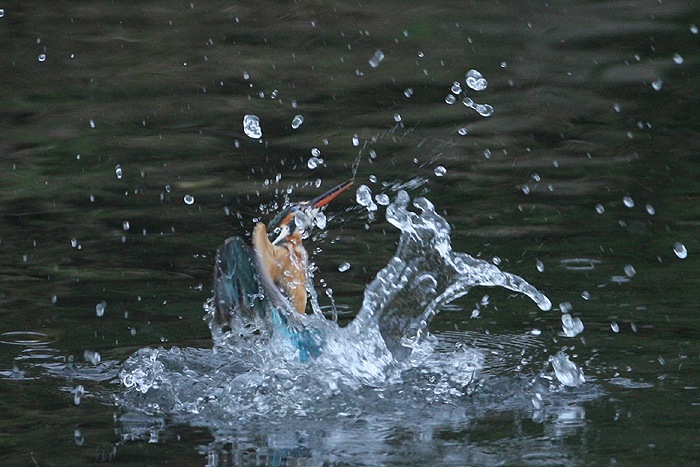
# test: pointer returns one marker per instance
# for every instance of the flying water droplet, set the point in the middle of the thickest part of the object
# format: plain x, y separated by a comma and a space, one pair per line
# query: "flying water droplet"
126, 225
463, 131
376, 59
565, 307
571, 327
297, 121
251, 126
456, 88
78, 393
566, 371
364, 198
476, 81
677, 59
92, 357
599, 208
408, 92
42, 57
680, 250
100, 308
118, 171
450, 99
585, 295
650, 209
657, 84
630, 271
615, 328
539, 265
628, 201
344, 267
440, 171
92, 123
189, 199
694, 29
355, 140
382, 199
314, 162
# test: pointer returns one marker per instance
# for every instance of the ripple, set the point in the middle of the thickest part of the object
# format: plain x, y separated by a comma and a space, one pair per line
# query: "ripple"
579, 264
26, 338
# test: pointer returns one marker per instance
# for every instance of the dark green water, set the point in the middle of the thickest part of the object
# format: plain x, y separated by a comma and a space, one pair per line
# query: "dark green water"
593, 102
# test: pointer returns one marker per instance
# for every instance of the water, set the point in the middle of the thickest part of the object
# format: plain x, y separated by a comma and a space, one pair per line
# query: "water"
485, 384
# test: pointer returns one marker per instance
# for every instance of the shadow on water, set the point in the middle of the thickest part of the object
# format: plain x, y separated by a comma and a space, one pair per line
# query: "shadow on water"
124, 164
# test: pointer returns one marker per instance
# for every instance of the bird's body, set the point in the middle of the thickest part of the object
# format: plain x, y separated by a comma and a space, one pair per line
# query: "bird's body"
266, 286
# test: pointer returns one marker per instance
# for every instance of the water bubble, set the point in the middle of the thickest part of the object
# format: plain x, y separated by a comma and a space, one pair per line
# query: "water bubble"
251, 126
100, 308
456, 88
630, 271
118, 171
408, 92
476, 81
628, 201
539, 265
92, 357
657, 84
677, 59
463, 131
376, 59
599, 208
615, 328
189, 199
680, 250
364, 198
382, 199
355, 140
450, 99
344, 267
440, 171
42, 57
297, 121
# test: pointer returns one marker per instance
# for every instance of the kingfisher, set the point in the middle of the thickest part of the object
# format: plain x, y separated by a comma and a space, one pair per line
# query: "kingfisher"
263, 287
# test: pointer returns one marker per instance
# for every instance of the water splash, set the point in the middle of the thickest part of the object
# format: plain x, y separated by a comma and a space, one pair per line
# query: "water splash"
385, 353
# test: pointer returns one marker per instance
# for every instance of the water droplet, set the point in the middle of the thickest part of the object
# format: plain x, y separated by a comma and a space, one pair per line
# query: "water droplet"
485, 110
364, 198
74, 242
630, 271
42, 57
565, 307
628, 201
585, 295
463, 131
397, 118
92, 357
450, 99
539, 265
100, 309
2, 12
382, 199
694, 29
677, 59
440, 171
657, 84
650, 209
408, 92
355, 140
297, 121
126, 225
456, 88
566, 371
251, 126
189, 199
680, 250
599, 208
314, 162
616, 107
373, 178
487, 153
476, 81
614, 327
78, 393
315, 152
118, 171
571, 327
92, 123
344, 267
504, 64
376, 59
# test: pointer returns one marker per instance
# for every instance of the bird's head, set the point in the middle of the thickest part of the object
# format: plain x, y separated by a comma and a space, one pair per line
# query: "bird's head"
296, 218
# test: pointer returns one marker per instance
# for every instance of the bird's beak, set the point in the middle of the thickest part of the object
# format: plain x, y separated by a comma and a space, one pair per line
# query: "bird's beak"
320, 201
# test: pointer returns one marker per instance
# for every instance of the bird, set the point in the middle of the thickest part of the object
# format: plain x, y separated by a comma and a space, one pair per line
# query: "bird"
262, 287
